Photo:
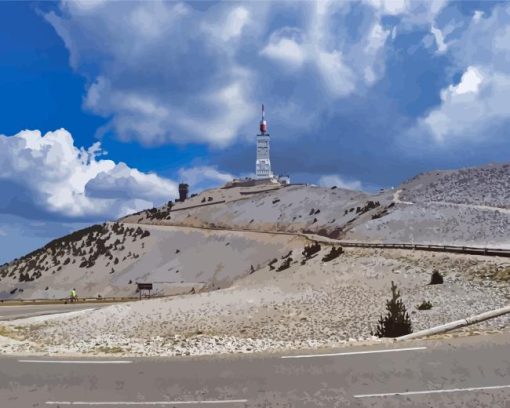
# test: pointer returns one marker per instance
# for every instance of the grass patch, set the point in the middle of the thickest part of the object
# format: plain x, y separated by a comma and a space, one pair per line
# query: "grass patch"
6, 331
502, 275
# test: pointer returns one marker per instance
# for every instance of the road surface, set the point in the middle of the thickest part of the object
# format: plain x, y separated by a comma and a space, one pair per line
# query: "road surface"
11, 312
463, 372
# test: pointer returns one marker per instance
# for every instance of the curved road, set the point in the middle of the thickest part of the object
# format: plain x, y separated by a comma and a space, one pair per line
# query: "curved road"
463, 372
12, 312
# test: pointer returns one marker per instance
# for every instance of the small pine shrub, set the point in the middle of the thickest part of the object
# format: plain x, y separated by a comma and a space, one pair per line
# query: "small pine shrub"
288, 255
397, 322
334, 253
425, 305
285, 265
311, 250
436, 278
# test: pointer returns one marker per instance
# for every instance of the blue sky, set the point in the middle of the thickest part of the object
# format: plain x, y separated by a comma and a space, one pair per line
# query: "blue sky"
107, 105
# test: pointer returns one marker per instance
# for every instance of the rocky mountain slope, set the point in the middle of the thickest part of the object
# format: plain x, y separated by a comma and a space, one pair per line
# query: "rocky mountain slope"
301, 301
220, 235
108, 260
467, 207
295, 208
480, 186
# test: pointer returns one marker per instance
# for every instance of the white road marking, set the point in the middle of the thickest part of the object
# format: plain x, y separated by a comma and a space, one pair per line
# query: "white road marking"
239, 401
77, 361
393, 394
352, 353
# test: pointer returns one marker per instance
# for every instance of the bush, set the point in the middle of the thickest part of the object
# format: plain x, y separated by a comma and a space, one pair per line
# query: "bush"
288, 255
285, 265
311, 250
334, 253
397, 322
436, 278
425, 305
271, 264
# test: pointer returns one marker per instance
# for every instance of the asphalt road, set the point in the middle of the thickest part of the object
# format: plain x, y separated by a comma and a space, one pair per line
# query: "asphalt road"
12, 312
464, 372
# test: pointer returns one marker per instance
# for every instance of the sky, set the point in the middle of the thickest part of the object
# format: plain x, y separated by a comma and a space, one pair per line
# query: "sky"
105, 106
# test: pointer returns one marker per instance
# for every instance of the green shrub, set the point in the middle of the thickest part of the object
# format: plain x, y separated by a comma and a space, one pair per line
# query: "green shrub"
425, 305
334, 253
311, 250
436, 278
397, 322
285, 265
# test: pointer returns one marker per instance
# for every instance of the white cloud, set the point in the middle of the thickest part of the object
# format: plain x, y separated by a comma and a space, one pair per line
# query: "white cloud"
391, 7
169, 72
471, 109
49, 175
478, 102
469, 83
336, 180
165, 72
337, 75
478, 15
233, 26
202, 177
286, 46
439, 38
343, 66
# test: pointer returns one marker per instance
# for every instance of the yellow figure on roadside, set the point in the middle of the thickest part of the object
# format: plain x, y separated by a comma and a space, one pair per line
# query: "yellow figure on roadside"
73, 297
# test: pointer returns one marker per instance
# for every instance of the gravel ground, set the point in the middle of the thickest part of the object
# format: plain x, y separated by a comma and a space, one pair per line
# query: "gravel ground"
306, 306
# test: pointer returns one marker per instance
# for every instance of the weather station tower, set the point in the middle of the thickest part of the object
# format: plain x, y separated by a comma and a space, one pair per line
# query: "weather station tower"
263, 163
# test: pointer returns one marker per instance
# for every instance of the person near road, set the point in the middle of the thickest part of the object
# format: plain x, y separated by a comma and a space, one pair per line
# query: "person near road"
73, 297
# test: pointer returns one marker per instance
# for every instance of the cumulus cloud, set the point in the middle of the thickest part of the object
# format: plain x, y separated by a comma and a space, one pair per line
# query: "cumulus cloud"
286, 46
343, 66
48, 176
477, 103
202, 177
331, 180
178, 73
165, 72
439, 38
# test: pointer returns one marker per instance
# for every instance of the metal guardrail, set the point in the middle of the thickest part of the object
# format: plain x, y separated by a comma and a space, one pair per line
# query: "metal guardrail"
110, 299
456, 324
468, 250
436, 248
197, 206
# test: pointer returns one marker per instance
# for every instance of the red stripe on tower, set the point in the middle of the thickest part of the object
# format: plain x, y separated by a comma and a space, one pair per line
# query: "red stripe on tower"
263, 123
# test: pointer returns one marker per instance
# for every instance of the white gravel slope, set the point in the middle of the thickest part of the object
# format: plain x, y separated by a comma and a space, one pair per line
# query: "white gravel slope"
306, 306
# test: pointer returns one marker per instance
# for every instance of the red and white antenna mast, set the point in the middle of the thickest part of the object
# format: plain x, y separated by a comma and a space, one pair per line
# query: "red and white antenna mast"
263, 123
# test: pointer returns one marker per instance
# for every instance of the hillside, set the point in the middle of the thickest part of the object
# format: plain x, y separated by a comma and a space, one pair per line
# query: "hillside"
313, 303
108, 259
296, 208
469, 207
485, 186
214, 238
